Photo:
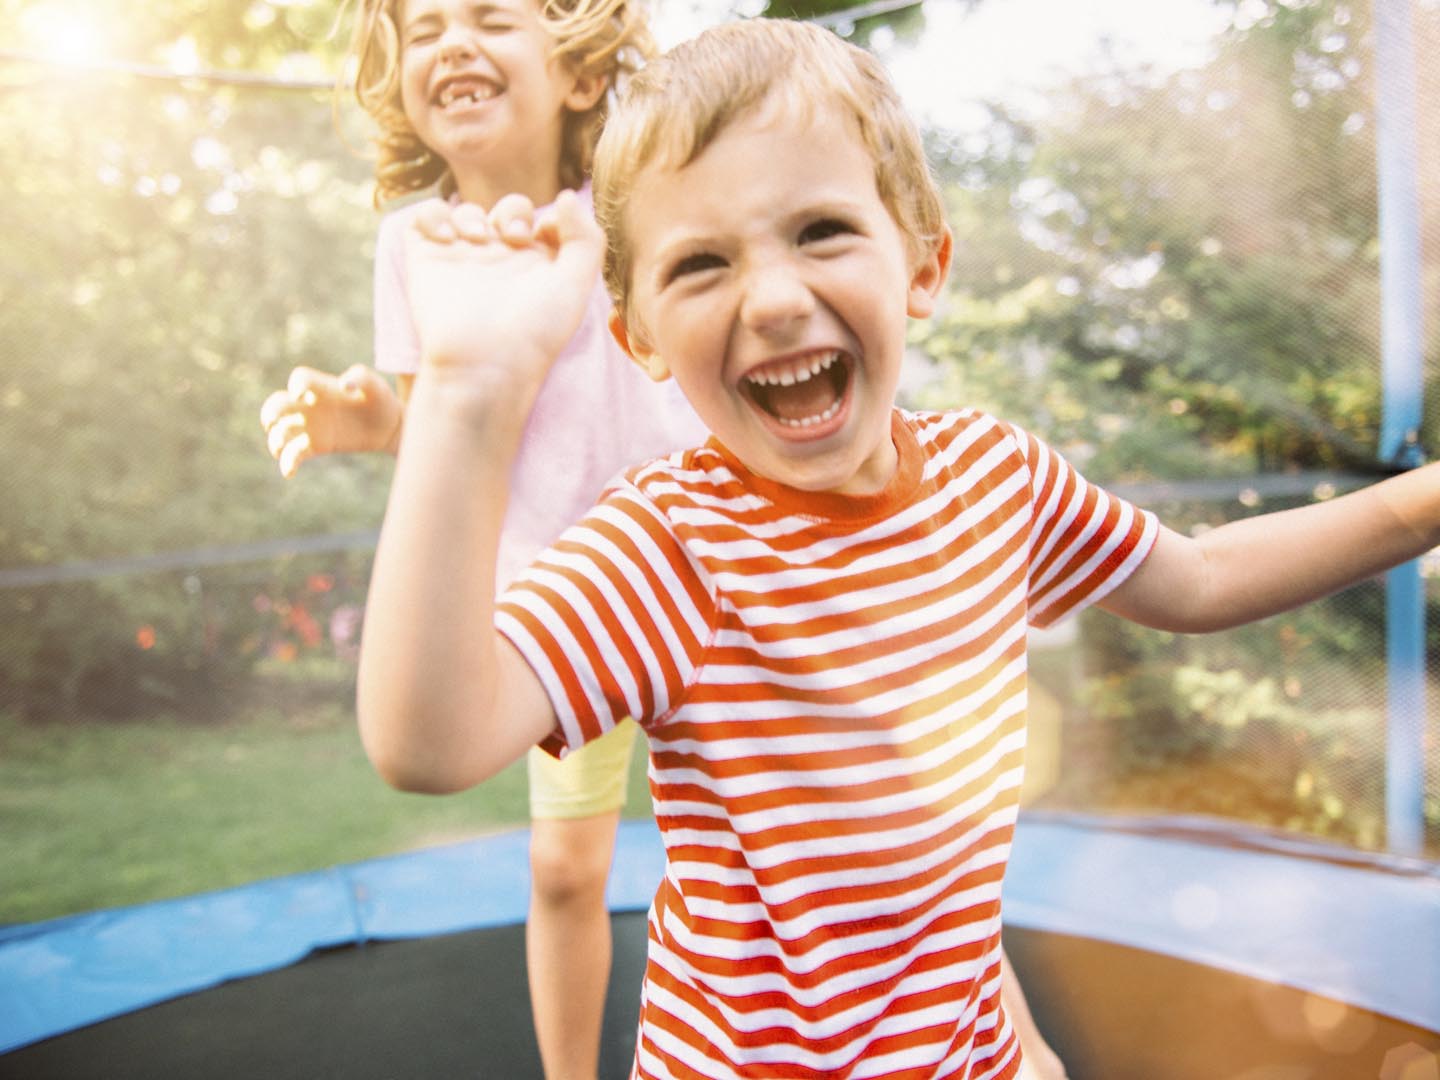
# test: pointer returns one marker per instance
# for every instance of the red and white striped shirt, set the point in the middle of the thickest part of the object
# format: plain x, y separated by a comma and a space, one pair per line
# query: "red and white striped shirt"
834, 693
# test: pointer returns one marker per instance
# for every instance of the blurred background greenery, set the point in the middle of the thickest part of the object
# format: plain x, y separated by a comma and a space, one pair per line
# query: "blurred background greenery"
1167, 269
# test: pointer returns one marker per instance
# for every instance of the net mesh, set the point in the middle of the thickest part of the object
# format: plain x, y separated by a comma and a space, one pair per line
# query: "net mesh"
1170, 273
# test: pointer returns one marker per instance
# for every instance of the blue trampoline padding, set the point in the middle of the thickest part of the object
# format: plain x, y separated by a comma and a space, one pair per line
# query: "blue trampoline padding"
484, 882
66, 973
1368, 937
1355, 933
60, 975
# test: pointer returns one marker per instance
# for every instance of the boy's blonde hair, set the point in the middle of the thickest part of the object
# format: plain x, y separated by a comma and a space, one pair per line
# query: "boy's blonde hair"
677, 106
610, 38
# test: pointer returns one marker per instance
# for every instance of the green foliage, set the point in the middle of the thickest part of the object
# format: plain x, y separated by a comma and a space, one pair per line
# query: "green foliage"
168, 261
295, 36
1167, 278
124, 644
1233, 742
171, 260
900, 23
1178, 278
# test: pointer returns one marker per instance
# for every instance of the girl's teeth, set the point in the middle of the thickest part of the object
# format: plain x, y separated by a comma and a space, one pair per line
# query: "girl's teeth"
470, 97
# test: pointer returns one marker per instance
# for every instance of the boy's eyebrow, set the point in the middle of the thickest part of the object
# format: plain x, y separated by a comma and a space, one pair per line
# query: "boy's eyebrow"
829, 206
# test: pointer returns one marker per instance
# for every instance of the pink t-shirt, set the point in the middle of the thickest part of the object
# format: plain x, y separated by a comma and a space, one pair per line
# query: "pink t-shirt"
597, 413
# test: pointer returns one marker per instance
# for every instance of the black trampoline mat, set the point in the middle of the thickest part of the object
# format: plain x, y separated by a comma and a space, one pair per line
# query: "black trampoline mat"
1119, 1013
457, 1006
450, 1006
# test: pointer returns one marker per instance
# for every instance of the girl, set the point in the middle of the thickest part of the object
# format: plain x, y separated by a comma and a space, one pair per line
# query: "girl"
480, 100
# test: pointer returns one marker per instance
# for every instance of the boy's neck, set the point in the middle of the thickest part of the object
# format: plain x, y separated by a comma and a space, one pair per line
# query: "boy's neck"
896, 471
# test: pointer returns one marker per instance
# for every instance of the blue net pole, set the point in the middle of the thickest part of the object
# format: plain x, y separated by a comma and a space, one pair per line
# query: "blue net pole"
1402, 388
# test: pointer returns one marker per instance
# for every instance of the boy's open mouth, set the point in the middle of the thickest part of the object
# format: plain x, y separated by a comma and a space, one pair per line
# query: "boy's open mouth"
801, 392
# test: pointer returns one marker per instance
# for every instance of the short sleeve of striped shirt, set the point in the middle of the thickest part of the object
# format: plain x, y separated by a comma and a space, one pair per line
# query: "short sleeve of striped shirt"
614, 619
1084, 541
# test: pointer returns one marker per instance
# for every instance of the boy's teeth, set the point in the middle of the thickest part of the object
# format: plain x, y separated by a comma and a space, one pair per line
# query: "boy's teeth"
807, 421
791, 393
796, 373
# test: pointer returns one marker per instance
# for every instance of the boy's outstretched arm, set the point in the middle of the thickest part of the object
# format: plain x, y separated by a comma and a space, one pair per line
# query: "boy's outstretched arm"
1260, 566
444, 701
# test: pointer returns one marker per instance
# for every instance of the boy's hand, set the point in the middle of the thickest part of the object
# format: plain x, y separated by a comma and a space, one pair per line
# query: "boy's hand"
318, 413
496, 296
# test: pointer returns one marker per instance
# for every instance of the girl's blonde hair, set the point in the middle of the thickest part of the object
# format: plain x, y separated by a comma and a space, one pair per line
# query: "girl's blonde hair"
682, 101
610, 38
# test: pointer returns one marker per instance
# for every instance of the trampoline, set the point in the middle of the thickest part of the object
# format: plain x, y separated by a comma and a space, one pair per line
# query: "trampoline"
1148, 949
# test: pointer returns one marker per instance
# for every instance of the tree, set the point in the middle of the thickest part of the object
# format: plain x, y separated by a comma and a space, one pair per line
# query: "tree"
1181, 277
167, 261
1177, 278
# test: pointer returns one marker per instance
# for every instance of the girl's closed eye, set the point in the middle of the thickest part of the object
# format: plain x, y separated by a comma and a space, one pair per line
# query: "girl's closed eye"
421, 34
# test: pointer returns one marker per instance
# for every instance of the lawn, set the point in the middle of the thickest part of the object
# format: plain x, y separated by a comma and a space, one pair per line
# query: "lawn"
99, 815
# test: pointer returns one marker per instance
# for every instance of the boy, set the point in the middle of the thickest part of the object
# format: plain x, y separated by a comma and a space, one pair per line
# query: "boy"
819, 616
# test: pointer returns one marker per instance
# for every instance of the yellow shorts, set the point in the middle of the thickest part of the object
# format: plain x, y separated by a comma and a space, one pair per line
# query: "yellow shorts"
586, 783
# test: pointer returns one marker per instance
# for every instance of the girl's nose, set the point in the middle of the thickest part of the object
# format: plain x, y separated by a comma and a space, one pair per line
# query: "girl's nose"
775, 298
456, 44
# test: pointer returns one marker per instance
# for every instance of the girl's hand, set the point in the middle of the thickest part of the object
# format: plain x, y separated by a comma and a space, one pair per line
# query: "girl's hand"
496, 296
318, 413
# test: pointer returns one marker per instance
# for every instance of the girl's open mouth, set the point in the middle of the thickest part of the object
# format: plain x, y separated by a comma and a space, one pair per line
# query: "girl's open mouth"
465, 92
801, 394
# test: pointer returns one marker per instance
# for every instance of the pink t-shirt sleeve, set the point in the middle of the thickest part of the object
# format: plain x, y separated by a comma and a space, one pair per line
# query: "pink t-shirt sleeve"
397, 348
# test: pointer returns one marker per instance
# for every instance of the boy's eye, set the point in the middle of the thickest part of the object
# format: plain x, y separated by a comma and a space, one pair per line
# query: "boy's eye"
693, 264
824, 229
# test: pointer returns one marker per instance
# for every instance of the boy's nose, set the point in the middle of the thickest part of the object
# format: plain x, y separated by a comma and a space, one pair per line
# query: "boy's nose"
775, 298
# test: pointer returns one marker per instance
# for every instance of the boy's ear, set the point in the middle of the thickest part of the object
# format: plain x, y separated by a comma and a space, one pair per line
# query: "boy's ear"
652, 363
929, 276
586, 91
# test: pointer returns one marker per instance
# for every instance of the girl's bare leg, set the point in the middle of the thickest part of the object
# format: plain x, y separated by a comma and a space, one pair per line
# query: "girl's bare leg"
567, 940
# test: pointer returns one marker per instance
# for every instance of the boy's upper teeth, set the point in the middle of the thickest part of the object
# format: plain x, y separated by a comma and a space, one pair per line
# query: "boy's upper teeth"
796, 371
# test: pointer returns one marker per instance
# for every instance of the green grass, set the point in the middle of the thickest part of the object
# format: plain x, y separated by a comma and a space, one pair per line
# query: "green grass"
102, 815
